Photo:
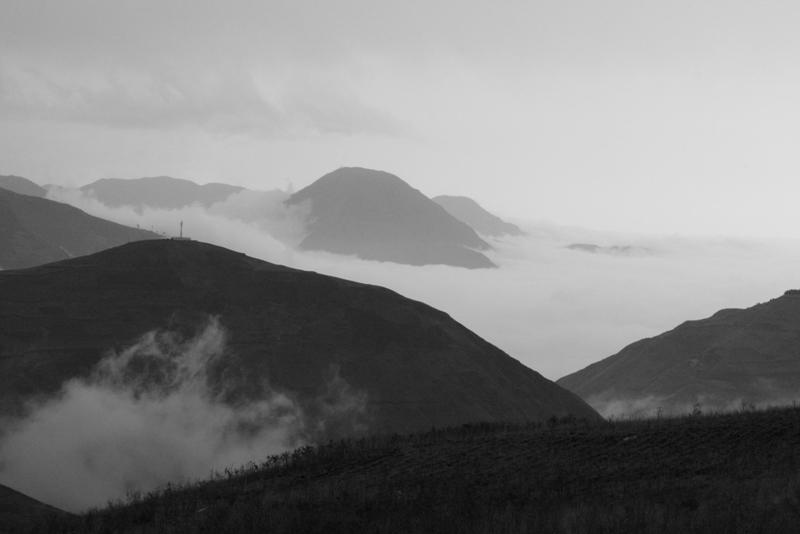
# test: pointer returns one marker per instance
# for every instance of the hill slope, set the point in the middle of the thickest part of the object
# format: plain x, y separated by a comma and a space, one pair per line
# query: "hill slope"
20, 513
417, 366
157, 192
35, 231
750, 355
735, 473
468, 211
377, 216
22, 186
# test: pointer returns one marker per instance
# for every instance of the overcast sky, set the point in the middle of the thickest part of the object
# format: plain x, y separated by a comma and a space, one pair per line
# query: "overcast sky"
665, 117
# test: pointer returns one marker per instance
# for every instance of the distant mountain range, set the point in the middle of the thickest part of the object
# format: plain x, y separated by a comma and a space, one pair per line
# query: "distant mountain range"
468, 211
161, 192
21, 185
352, 211
34, 231
418, 367
737, 355
377, 216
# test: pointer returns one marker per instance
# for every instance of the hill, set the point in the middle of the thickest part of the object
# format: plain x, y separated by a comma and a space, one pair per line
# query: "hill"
377, 216
468, 211
733, 473
417, 367
161, 192
20, 513
35, 231
22, 186
750, 355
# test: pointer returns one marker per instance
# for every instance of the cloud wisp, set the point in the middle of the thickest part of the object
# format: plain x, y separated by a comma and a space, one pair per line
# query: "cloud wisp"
159, 411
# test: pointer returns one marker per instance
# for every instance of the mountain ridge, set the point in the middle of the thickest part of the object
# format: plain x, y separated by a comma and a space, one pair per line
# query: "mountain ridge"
749, 355
22, 186
470, 212
161, 192
35, 231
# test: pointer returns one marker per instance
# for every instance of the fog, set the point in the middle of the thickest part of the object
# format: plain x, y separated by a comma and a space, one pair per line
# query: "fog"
556, 310
159, 411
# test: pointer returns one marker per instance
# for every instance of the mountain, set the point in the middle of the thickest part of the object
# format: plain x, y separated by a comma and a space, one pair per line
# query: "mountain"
418, 367
20, 513
737, 355
34, 231
468, 211
22, 186
377, 216
157, 192
614, 250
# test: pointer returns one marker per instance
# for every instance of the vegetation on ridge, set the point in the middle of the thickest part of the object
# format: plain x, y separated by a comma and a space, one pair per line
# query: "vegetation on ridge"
734, 472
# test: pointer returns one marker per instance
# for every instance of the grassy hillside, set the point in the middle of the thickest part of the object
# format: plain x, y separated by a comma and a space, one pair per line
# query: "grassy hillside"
726, 473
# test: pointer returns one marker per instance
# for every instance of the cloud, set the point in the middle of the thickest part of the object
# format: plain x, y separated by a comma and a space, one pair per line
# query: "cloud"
165, 409
556, 310
325, 106
225, 100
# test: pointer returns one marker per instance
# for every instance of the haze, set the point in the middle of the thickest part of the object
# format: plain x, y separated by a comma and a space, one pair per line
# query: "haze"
657, 117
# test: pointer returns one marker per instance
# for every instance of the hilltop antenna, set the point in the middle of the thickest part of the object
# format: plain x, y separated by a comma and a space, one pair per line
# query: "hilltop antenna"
181, 238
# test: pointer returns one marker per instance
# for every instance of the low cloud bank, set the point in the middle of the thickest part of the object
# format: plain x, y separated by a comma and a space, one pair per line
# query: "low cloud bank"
556, 310
647, 406
165, 409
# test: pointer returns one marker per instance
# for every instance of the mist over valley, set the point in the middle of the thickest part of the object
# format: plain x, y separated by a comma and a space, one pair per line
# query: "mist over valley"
177, 350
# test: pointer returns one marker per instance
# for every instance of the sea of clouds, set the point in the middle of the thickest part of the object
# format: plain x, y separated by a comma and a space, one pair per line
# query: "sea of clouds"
557, 310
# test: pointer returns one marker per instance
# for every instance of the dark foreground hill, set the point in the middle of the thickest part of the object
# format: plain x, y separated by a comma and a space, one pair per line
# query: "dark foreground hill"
468, 211
734, 356
20, 513
35, 231
734, 473
417, 367
377, 216
161, 192
22, 186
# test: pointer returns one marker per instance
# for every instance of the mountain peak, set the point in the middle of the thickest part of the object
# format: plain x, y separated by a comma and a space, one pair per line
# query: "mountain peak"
377, 216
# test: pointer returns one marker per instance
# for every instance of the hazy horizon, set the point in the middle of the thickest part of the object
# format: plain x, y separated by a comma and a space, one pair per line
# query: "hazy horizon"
661, 118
